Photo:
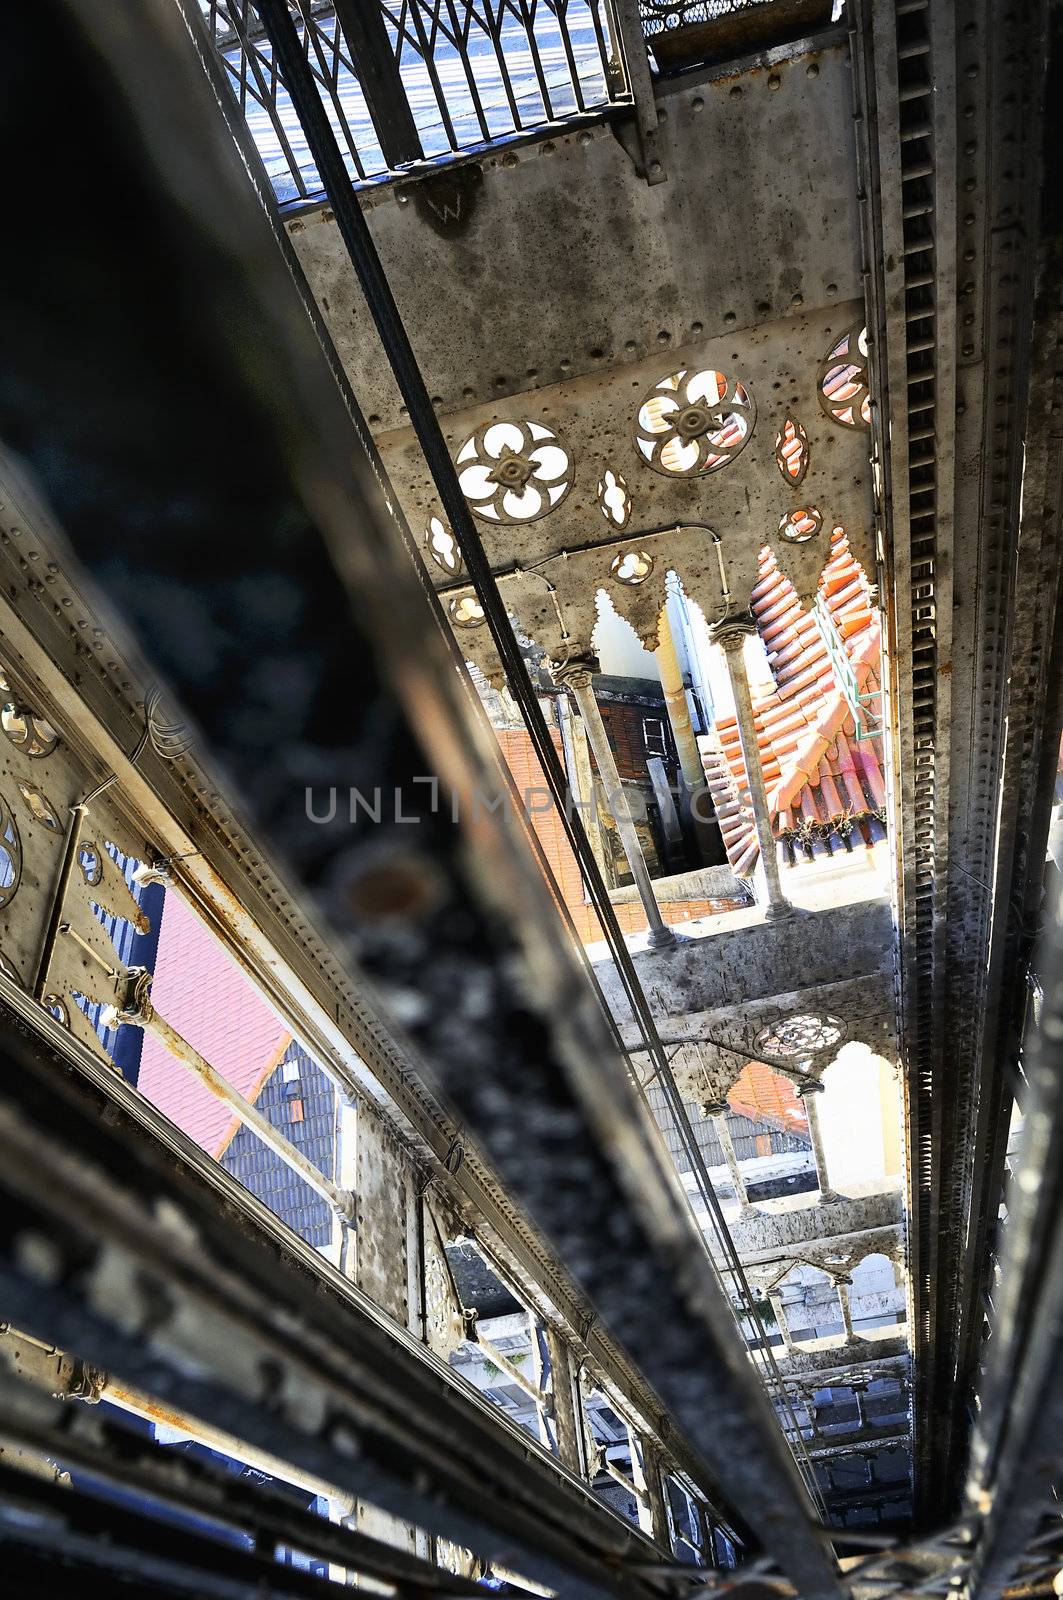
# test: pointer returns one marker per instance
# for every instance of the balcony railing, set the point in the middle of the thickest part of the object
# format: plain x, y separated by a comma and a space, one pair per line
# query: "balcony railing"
417, 80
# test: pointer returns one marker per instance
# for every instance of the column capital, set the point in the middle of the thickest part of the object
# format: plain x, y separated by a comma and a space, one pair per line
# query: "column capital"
809, 1086
575, 672
731, 633
715, 1108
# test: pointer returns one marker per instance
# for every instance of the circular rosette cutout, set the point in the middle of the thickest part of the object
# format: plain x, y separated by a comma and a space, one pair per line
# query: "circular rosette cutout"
466, 612
614, 500
791, 450
631, 567
26, 730
442, 547
694, 422
799, 1036
844, 386
797, 527
513, 472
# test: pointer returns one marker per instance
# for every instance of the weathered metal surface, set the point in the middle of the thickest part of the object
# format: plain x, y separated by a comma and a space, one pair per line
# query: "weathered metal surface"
384, 1173
741, 502
751, 959
949, 129
160, 1268
490, 999
237, 891
129, 1461
572, 264
1017, 1453
851, 1228
51, 936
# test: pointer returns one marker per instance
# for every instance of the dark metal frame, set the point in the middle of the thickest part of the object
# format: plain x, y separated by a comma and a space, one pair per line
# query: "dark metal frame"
284, 575
225, 1317
358, 50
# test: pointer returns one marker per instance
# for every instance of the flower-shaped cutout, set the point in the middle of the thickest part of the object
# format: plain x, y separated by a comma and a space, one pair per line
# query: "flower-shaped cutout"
798, 1036
442, 547
91, 863
614, 500
26, 730
791, 450
796, 527
514, 471
631, 567
843, 380
693, 422
39, 807
466, 612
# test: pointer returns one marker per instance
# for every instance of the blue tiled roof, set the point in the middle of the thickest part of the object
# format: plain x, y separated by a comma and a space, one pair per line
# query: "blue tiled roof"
303, 1107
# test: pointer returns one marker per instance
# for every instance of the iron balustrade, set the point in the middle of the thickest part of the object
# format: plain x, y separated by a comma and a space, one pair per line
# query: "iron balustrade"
417, 80
662, 16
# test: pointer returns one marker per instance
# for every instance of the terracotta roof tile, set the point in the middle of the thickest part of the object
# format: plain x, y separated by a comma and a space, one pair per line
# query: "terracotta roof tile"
818, 775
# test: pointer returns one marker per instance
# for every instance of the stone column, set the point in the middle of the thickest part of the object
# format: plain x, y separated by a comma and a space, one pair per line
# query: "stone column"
577, 675
807, 1092
675, 698
731, 636
781, 1320
843, 1285
581, 778
717, 1110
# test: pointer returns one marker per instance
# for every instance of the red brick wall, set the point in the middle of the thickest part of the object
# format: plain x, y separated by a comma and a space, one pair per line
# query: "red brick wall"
520, 758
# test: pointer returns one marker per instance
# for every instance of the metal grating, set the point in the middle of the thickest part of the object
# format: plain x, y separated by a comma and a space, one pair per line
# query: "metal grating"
424, 79
661, 16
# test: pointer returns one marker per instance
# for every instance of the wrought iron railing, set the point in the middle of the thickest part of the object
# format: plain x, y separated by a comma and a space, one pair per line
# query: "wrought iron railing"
660, 16
405, 81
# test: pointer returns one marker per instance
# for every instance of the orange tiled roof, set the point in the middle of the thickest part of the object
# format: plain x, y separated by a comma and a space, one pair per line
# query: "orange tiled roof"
818, 775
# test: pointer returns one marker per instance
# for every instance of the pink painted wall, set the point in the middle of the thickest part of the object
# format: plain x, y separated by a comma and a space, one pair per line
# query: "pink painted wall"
202, 993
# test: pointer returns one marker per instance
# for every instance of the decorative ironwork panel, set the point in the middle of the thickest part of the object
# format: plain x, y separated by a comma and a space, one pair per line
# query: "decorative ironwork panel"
844, 384
693, 422
797, 527
478, 71
661, 16
469, 71
798, 1036
246, 53
512, 472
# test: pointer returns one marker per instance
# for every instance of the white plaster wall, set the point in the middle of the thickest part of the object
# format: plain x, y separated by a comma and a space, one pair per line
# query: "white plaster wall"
620, 653
851, 1115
